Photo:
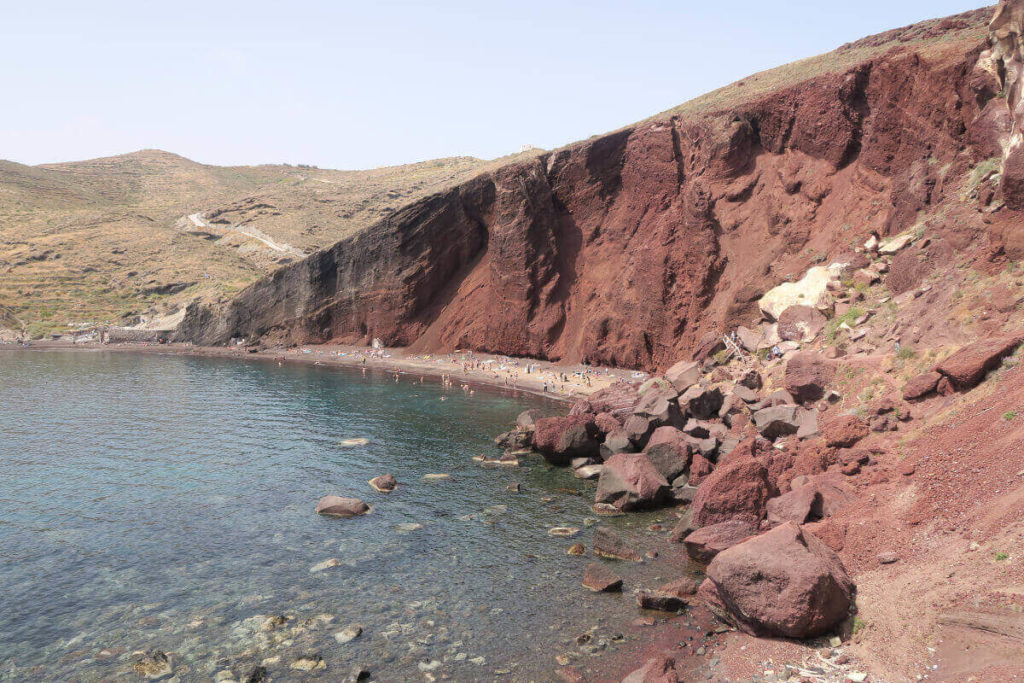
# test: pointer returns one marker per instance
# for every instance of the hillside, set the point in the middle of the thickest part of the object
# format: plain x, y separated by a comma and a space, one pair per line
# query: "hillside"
633, 248
108, 240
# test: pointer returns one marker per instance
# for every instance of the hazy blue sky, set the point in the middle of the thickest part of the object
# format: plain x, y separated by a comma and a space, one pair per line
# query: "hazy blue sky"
353, 85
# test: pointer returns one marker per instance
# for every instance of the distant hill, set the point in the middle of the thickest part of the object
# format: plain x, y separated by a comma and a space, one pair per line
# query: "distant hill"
109, 240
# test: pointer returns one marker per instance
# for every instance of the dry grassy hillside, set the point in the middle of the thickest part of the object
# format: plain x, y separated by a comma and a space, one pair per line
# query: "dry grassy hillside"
108, 240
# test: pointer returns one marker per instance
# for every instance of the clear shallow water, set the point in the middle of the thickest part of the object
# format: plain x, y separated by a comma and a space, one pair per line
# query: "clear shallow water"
165, 502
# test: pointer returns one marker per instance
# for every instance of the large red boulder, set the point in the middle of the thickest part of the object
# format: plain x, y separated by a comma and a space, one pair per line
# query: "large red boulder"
784, 583
737, 490
921, 386
801, 505
703, 544
629, 481
668, 451
968, 366
808, 374
844, 431
560, 439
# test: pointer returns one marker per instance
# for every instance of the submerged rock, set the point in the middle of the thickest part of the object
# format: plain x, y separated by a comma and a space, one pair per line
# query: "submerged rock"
337, 506
326, 564
609, 544
662, 602
385, 483
600, 579
154, 665
348, 634
309, 662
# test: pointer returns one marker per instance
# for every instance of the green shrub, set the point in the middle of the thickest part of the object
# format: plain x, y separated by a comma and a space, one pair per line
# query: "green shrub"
906, 353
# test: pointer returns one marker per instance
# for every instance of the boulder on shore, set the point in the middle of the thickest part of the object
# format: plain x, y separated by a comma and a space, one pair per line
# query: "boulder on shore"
801, 505
784, 583
630, 481
703, 544
777, 421
668, 451
968, 366
337, 506
560, 439
739, 489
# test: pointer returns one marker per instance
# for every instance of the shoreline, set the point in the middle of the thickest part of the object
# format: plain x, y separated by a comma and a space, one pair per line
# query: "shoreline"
463, 368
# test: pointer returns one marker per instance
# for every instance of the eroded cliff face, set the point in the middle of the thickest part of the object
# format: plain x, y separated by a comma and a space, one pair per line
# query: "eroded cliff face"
633, 248
1000, 70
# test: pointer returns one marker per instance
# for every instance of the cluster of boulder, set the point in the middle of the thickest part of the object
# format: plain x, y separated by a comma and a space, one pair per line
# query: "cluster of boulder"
749, 468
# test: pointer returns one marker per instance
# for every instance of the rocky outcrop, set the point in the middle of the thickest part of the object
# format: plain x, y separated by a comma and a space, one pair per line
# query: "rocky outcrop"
636, 248
968, 366
1000, 69
783, 583
921, 386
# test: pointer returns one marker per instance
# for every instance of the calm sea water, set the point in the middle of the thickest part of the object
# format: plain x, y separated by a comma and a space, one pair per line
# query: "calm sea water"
165, 502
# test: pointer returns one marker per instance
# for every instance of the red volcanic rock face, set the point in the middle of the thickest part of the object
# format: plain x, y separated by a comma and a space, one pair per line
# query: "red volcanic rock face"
637, 248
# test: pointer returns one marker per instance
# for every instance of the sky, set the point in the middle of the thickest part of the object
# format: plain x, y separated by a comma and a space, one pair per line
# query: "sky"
351, 85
